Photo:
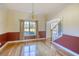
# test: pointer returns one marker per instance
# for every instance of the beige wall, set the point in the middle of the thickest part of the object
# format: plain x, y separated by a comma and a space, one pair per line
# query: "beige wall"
3, 19
14, 20
41, 23
70, 16
9, 20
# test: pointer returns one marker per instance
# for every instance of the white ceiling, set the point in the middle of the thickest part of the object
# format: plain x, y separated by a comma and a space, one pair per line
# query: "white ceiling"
39, 8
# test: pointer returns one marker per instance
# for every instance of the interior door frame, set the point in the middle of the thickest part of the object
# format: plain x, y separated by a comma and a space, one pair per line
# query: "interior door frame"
22, 28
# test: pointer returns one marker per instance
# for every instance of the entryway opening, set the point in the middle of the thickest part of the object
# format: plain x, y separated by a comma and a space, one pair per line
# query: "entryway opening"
28, 29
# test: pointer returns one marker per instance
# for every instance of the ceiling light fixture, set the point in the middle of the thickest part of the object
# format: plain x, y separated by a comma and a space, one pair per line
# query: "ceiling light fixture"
33, 13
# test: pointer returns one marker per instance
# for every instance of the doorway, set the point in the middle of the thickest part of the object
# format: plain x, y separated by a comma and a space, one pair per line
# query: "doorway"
28, 29
57, 30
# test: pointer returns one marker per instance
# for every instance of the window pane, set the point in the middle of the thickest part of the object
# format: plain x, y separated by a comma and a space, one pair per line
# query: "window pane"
29, 28
26, 24
33, 31
26, 30
32, 28
32, 24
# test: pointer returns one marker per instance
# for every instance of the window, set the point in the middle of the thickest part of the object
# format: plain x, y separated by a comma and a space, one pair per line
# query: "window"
29, 28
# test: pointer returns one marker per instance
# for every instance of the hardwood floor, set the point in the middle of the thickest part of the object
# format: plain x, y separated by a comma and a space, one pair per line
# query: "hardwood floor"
29, 48
32, 48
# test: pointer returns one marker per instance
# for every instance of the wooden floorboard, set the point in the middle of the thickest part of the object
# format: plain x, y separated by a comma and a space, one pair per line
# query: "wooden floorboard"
39, 48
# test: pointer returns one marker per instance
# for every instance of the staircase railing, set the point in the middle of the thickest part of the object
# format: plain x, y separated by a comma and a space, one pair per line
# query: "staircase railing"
58, 31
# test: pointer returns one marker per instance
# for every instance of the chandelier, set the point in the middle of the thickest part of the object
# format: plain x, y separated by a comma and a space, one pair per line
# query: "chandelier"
33, 13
